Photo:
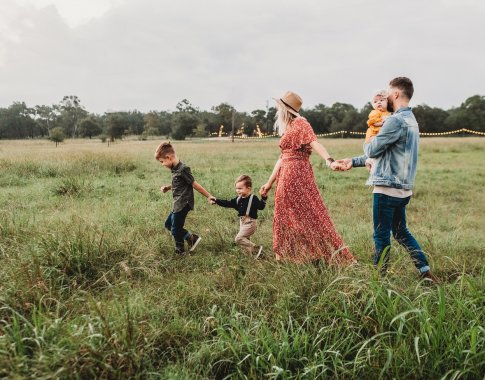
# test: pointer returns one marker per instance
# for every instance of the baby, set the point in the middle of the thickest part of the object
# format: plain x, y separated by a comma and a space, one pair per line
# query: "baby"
377, 115
376, 119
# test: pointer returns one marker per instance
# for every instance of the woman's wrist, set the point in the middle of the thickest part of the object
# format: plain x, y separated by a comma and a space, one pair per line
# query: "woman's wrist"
329, 161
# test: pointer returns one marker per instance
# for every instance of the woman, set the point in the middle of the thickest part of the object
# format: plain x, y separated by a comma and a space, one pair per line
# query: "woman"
302, 229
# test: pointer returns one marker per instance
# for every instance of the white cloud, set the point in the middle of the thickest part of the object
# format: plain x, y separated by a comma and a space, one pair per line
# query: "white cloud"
149, 54
76, 12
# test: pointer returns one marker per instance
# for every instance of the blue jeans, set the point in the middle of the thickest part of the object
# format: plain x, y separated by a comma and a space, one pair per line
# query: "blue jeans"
390, 215
175, 224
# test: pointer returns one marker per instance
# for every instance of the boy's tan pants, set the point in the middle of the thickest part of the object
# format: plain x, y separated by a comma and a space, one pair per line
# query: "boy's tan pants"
247, 227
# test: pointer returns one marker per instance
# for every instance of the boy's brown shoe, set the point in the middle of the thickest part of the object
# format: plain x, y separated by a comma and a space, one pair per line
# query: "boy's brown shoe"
193, 241
427, 276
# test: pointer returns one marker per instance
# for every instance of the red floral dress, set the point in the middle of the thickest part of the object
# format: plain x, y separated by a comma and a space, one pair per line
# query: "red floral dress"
302, 229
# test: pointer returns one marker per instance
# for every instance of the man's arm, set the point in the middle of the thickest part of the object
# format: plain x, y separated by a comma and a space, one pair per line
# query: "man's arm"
388, 135
358, 161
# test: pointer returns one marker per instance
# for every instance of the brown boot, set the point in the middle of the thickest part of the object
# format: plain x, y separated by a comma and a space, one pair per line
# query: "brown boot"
193, 241
427, 276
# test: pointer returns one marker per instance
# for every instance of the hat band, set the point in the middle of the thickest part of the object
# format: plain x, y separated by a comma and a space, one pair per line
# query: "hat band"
286, 104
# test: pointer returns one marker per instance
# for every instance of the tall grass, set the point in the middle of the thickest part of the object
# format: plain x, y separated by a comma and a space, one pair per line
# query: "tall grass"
90, 287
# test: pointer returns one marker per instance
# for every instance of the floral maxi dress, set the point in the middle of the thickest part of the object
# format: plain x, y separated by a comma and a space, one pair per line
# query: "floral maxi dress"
302, 229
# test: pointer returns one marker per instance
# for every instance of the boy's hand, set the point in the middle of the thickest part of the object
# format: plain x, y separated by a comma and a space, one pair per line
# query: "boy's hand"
211, 199
265, 190
164, 189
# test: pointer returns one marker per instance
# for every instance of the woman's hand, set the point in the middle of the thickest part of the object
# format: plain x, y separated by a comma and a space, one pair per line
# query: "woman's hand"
265, 189
344, 164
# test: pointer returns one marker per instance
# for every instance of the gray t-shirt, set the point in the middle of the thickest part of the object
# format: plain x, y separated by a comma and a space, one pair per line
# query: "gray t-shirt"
182, 190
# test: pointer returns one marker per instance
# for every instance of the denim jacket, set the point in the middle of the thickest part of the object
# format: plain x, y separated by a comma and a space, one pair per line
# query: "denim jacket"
395, 150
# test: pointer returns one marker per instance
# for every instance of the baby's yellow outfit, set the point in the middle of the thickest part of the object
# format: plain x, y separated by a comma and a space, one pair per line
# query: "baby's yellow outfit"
375, 116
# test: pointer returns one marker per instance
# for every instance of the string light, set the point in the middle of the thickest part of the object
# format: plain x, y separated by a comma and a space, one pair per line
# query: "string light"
462, 130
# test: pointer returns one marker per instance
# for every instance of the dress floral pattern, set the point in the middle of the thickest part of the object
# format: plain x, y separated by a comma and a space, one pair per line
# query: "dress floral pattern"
302, 229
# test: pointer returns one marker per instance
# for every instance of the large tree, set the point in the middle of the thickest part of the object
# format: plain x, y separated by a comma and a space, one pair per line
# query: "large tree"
470, 115
343, 117
318, 117
71, 113
116, 125
46, 117
224, 113
89, 127
430, 119
57, 135
17, 122
184, 124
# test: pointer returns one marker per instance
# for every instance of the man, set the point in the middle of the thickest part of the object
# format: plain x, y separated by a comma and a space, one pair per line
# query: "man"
395, 150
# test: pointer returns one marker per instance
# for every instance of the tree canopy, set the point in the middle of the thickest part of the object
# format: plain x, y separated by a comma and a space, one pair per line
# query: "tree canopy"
19, 121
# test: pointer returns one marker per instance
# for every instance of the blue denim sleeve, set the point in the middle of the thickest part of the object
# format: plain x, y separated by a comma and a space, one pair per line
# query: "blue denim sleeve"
388, 135
358, 161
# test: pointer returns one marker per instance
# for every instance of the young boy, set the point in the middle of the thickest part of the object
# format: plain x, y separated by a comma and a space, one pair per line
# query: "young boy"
247, 206
183, 185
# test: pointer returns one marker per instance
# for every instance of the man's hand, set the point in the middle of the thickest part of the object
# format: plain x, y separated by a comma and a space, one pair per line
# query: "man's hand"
211, 200
164, 189
344, 164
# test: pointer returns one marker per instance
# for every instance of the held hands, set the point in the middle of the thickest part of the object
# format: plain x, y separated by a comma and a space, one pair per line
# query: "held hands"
164, 189
341, 165
336, 166
211, 199
265, 189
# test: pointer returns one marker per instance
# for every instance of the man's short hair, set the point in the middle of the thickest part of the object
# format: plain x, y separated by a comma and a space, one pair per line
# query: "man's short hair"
163, 150
404, 84
248, 182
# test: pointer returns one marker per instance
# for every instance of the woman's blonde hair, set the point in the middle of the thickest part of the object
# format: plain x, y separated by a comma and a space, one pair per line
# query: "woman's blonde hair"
283, 119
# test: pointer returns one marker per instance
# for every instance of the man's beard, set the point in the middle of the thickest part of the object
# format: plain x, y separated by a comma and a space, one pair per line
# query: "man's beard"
390, 106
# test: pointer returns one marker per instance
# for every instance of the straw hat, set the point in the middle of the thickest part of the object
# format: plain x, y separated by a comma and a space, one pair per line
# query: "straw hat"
291, 101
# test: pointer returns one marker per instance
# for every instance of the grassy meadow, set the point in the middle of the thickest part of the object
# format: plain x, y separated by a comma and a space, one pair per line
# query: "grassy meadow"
90, 286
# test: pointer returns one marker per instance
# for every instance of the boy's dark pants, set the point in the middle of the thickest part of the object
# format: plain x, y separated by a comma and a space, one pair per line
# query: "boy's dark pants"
175, 224
390, 215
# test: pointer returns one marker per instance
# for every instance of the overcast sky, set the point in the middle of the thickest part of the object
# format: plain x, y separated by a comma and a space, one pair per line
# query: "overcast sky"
150, 54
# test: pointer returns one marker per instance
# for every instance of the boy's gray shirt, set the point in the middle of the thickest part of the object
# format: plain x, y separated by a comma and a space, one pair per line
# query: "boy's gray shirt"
182, 190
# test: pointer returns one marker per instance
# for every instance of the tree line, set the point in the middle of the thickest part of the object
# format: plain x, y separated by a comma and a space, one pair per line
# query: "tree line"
69, 118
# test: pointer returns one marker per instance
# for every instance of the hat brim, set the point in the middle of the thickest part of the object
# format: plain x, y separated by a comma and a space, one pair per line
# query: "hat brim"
290, 110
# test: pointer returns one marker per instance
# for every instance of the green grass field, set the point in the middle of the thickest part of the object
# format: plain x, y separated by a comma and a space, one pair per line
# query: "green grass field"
90, 287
